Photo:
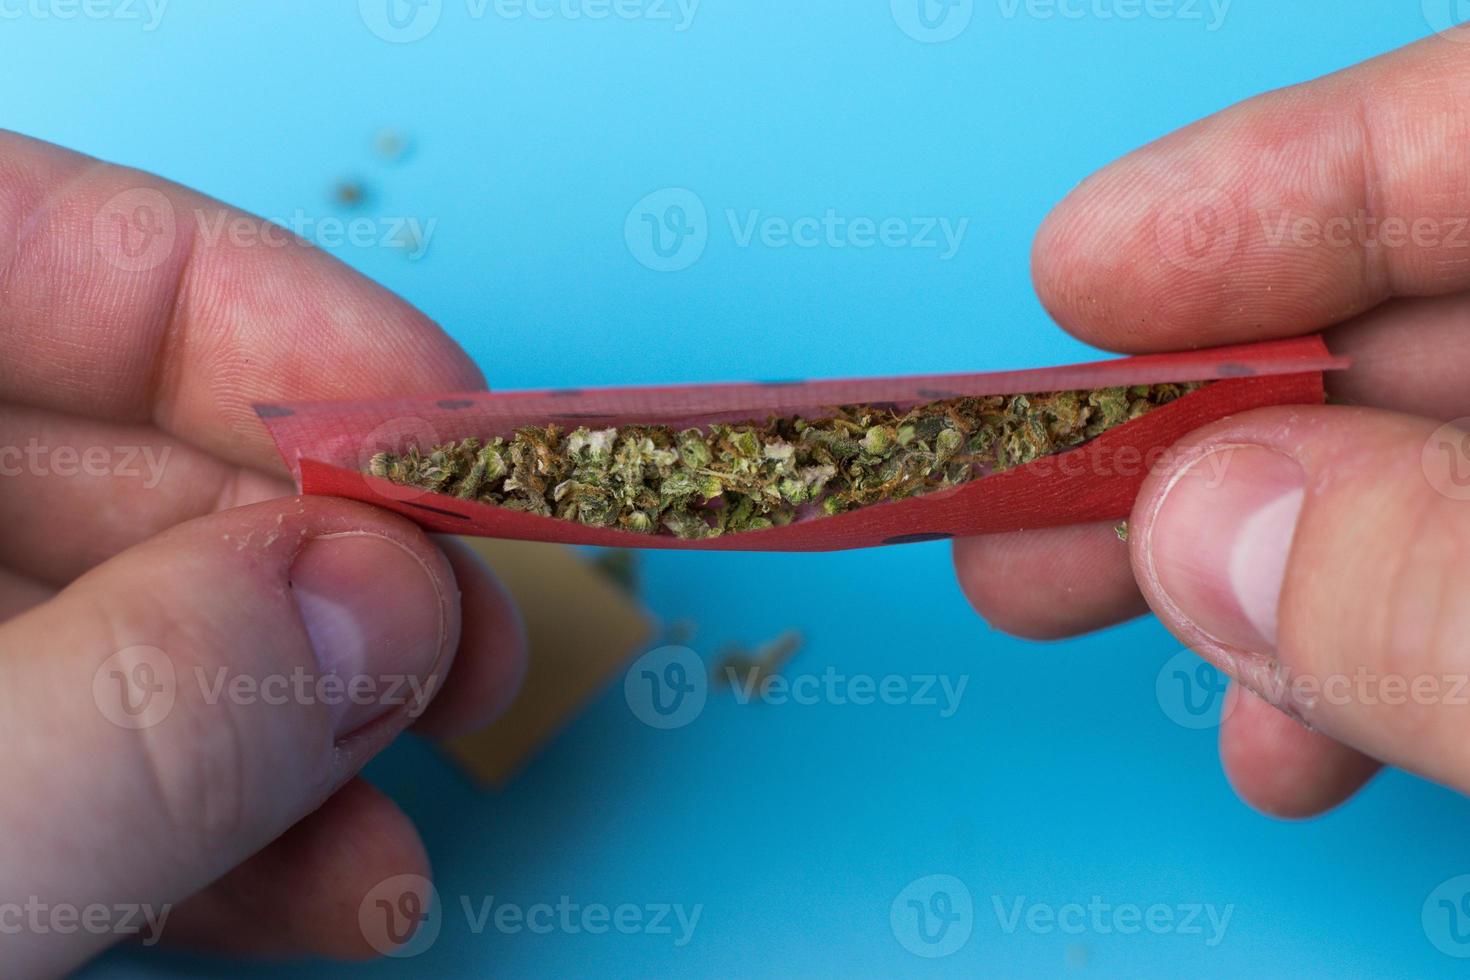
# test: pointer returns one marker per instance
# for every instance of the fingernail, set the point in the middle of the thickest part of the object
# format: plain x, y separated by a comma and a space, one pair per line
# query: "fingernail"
375, 616
1219, 541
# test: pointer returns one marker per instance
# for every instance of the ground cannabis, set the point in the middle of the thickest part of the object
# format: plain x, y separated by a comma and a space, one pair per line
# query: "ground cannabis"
726, 478
620, 567
750, 669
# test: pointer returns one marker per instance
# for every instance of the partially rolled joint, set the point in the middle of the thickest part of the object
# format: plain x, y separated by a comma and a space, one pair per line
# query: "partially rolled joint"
699, 483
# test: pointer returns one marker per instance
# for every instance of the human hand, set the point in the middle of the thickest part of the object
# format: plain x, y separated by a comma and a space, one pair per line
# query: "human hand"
1318, 555
159, 582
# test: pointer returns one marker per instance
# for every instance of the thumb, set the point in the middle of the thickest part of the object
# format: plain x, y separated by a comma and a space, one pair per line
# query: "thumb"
180, 706
1321, 556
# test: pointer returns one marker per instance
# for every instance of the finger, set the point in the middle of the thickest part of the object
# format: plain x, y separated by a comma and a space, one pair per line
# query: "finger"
1408, 355
203, 692
20, 593
64, 520
66, 515
491, 662
74, 491
1321, 556
301, 895
1281, 768
1049, 584
126, 297
1280, 216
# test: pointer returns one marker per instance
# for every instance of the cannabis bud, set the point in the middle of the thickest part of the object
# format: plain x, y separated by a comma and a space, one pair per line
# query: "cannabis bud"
700, 483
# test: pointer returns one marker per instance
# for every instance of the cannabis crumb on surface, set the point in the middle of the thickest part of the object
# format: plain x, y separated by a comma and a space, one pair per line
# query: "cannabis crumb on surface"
749, 669
727, 478
350, 192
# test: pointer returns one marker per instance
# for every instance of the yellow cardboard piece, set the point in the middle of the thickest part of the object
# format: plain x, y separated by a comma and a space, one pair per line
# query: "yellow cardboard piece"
581, 628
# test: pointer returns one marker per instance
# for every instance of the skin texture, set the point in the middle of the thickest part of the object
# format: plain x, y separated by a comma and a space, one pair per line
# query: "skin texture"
246, 817
250, 818
1282, 216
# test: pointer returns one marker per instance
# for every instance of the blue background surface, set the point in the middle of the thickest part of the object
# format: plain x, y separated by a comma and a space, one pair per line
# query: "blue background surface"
1064, 774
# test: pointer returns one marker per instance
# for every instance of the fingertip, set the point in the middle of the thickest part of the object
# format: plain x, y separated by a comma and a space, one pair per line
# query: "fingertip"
1134, 259
304, 893
1048, 584
493, 652
1063, 260
1087, 262
267, 316
1282, 769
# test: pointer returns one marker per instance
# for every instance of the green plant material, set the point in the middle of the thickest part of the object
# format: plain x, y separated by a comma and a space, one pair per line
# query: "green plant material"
620, 566
1121, 530
392, 144
728, 478
350, 192
750, 669
679, 633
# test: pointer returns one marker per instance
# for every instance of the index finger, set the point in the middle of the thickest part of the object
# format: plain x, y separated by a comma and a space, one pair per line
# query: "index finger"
1279, 216
126, 297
